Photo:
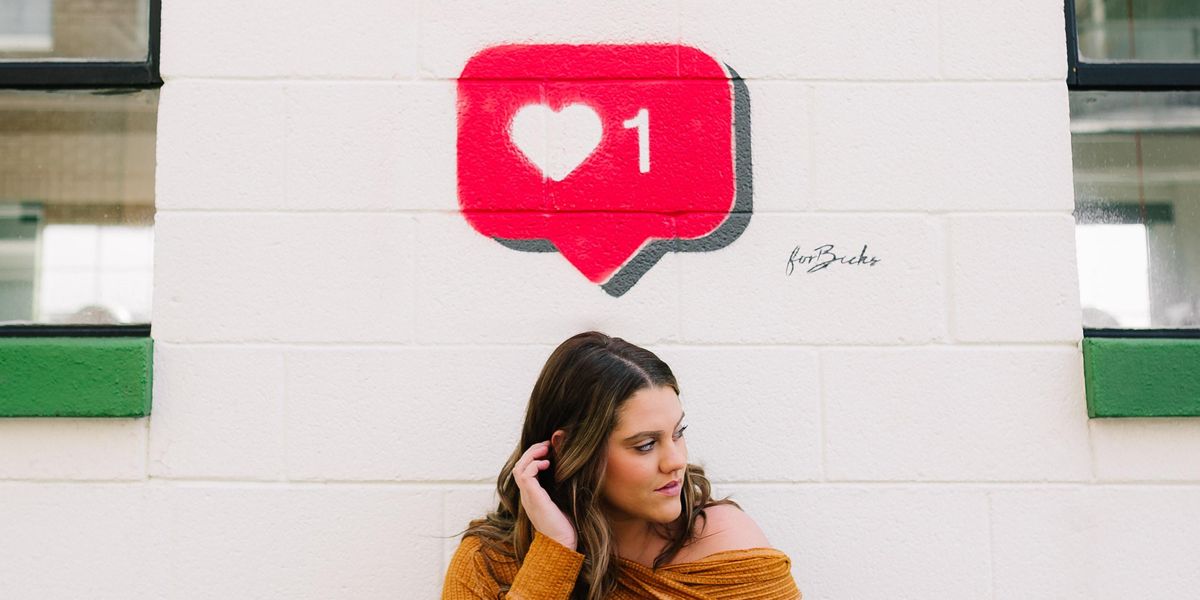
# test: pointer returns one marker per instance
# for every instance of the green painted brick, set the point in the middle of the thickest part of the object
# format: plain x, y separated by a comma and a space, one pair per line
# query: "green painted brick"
75, 376
1142, 377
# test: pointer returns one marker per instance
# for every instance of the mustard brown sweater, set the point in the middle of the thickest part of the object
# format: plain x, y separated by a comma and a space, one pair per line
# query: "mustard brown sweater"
550, 569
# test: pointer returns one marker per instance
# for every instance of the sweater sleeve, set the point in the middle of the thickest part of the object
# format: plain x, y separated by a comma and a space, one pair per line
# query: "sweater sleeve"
548, 573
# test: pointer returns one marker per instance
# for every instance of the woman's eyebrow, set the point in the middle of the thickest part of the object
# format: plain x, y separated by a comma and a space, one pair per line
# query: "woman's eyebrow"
652, 433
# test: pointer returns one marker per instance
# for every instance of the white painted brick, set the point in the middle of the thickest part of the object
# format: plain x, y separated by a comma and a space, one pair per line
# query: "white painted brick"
278, 277
374, 146
876, 542
1014, 278
307, 146
753, 414
856, 39
462, 506
959, 414
403, 414
452, 32
1011, 39
1146, 449
286, 38
72, 541
220, 146
473, 290
958, 147
781, 145
342, 541
98, 449
1145, 542
218, 412
1039, 544
749, 298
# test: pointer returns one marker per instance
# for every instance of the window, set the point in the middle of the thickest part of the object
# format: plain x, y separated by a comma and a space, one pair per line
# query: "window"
1134, 81
78, 105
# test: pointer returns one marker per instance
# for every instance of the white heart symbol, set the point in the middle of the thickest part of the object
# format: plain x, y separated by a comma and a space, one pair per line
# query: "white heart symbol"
556, 142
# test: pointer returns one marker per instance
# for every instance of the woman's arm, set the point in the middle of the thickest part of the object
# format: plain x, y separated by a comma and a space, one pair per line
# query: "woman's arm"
548, 572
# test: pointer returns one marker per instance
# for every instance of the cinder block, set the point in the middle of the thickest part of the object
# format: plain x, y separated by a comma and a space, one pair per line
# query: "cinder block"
85, 449
934, 147
753, 414
283, 278
71, 541
1149, 450
858, 39
1012, 39
1014, 279
370, 146
1144, 542
277, 541
218, 412
452, 32
441, 413
782, 132
529, 297
1040, 545
276, 38
463, 505
897, 533
221, 145
955, 414
749, 297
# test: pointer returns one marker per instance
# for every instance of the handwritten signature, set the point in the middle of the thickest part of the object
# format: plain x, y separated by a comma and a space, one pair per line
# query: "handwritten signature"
823, 256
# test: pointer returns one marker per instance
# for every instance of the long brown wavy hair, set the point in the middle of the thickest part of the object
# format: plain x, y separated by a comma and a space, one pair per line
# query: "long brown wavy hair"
581, 388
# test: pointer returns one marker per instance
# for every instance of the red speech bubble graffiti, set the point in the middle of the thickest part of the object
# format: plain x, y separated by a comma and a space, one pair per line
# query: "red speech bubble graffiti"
612, 155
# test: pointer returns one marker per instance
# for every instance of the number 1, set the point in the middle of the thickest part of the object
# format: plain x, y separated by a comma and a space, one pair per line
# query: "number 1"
642, 121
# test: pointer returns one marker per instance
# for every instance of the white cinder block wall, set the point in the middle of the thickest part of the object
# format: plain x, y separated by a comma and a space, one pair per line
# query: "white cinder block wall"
341, 362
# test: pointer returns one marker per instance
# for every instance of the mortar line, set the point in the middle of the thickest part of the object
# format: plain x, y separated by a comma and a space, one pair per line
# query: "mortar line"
897, 485
414, 345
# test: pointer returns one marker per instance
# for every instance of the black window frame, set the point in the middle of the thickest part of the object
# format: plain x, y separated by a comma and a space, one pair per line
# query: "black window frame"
105, 76
1141, 76
116, 75
1123, 76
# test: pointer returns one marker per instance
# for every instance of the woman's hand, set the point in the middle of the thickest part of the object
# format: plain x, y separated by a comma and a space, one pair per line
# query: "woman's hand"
543, 512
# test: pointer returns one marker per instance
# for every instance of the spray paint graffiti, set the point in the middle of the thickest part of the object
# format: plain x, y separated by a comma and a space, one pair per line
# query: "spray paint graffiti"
612, 155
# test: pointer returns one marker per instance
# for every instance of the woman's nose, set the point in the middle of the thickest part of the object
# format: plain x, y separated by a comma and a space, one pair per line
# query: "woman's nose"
676, 457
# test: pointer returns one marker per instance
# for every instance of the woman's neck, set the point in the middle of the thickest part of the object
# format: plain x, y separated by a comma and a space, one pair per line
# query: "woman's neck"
638, 540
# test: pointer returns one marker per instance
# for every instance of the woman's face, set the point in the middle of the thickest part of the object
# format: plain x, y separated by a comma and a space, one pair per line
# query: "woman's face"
646, 452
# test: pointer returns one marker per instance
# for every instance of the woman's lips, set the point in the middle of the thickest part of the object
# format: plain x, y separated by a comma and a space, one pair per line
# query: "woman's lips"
671, 489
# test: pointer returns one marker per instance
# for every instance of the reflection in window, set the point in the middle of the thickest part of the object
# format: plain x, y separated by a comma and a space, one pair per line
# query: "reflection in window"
1114, 279
1136, 162
1138, 30
76, 206
105, 30
26, 26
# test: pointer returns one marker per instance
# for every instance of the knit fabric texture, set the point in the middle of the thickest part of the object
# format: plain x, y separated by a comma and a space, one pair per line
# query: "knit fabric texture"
550, 569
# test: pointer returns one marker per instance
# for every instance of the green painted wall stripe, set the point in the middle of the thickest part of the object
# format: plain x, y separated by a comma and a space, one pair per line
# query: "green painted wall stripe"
75, 376
1142, 377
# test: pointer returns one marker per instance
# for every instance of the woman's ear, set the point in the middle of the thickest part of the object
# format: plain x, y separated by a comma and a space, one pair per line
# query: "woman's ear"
557, 440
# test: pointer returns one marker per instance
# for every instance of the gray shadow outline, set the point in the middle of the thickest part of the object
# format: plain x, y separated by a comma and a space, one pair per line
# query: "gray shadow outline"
735, 223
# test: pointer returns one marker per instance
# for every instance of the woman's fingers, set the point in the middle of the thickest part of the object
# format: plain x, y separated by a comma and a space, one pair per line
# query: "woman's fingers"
545, 516
528, 465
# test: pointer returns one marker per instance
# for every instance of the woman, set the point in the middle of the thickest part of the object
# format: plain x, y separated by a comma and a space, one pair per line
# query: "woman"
598, 500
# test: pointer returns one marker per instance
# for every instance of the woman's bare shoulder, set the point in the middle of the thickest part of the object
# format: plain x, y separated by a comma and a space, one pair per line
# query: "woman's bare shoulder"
724, 527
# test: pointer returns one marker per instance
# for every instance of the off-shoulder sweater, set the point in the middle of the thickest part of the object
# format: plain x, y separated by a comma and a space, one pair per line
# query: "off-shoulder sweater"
550, 569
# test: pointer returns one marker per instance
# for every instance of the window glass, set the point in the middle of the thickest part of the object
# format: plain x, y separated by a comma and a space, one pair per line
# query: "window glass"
76, 206
56, 30
1137, 204
1138, 30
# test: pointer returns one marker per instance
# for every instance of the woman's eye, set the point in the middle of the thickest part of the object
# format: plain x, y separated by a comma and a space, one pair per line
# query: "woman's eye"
644, 447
